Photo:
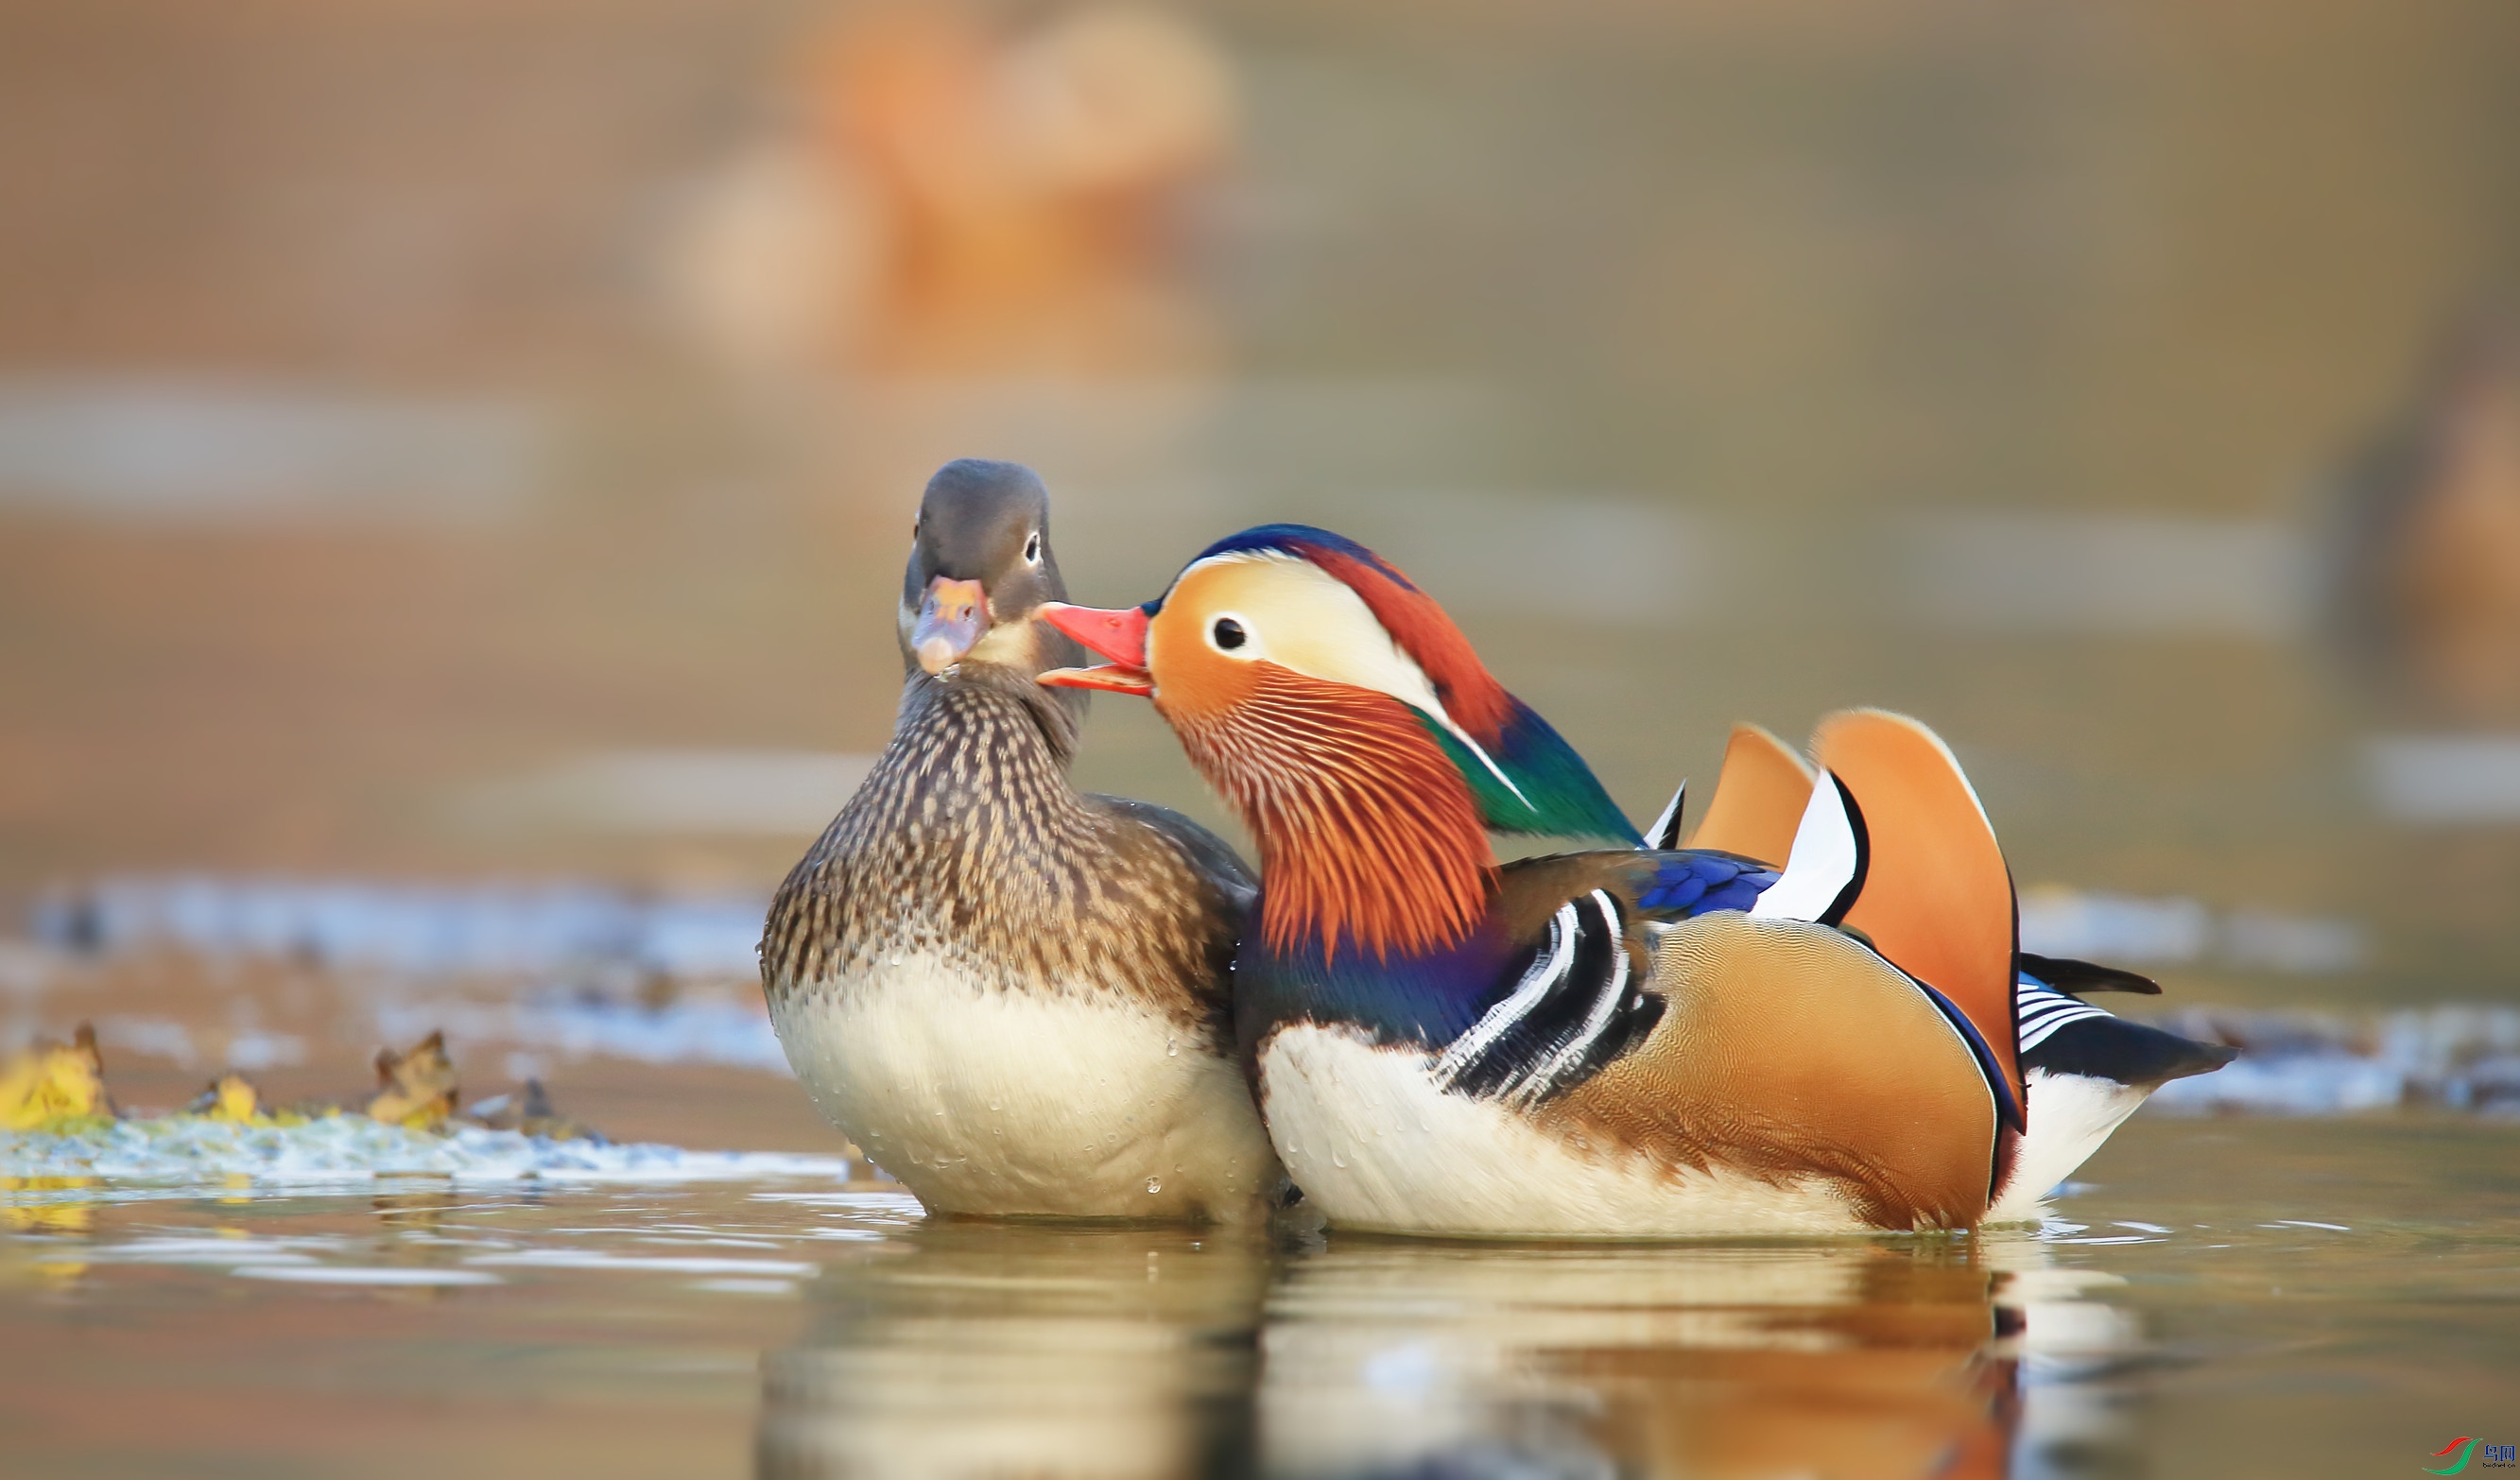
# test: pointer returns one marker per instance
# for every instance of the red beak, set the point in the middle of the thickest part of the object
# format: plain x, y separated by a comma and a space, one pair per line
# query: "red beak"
1119, 635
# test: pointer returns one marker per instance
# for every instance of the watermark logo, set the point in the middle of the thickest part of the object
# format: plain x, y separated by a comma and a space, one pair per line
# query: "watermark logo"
2492, 1456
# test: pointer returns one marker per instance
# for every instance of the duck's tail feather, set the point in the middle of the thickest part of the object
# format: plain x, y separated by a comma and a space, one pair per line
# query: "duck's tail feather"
1758, 798
2086, 1072
2060, 1035
2067, 974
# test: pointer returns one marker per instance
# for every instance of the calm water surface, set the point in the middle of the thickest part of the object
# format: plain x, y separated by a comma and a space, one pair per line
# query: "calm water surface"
2170, 1320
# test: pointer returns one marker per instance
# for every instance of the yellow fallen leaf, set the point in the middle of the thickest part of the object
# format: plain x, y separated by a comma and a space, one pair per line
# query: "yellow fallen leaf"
233, 1097
51, 1081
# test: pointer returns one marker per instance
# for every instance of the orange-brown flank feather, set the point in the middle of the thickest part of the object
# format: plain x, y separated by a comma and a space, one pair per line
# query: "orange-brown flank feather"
1791, 1052
1366, 831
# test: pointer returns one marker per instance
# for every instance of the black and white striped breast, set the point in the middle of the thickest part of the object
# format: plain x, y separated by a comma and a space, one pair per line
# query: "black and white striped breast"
1575, 1006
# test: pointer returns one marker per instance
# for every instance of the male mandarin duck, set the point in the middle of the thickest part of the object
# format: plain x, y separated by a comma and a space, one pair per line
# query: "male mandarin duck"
1631, 1042
1011, 993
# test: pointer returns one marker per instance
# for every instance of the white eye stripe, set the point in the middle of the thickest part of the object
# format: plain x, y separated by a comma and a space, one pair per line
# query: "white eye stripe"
1323, 630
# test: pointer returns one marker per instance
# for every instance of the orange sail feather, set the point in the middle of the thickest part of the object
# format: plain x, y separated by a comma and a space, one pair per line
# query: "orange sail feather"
1758, 798
1937, 899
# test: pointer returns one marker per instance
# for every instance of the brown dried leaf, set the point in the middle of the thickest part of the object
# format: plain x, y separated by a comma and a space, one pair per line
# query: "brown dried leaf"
416, 1088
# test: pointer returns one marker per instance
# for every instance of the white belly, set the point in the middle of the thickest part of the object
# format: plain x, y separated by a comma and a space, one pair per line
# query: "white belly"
1376, 1145
1003, 1103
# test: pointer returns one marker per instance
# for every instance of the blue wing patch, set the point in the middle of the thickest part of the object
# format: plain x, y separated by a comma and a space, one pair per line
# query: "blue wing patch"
1686, 884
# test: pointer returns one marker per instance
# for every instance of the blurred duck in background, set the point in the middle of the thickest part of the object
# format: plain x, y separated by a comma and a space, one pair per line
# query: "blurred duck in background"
1644, 1041
2426, 574
1014, 995
966, 195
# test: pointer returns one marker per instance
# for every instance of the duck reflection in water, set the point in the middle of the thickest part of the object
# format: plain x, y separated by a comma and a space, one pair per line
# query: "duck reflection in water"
989, 1349
973, 1350
1744, 1359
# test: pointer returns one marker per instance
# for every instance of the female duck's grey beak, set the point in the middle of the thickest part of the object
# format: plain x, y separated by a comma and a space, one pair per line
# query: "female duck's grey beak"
950, 620
1119, 634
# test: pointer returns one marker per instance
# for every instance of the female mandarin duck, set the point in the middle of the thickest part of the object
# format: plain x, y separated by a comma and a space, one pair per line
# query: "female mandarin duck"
1624, 1044
1012, 994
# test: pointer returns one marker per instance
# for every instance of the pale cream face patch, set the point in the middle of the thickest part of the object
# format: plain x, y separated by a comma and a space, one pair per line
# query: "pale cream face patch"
1011, 645
1291, 612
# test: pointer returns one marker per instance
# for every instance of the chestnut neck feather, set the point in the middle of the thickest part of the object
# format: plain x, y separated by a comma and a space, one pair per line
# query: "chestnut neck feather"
1367, 834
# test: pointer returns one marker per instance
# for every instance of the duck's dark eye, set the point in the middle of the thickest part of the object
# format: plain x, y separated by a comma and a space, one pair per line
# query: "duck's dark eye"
1032, 548
1229, 634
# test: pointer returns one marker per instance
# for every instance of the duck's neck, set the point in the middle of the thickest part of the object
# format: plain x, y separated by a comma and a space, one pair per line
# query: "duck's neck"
1370, 839
978, 739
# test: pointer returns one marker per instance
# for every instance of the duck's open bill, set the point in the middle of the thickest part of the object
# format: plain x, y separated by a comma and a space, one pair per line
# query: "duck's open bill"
1119, 635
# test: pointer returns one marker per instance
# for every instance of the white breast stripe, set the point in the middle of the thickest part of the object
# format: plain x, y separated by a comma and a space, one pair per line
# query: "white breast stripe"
1567, 1058
2044, 1010
1473, 747
1545, 972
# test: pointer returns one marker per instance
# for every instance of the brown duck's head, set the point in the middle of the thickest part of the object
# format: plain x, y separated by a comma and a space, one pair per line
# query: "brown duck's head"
979, 563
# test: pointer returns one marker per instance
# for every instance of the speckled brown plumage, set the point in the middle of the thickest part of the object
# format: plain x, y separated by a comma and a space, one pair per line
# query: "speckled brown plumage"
1010, 994
968, 840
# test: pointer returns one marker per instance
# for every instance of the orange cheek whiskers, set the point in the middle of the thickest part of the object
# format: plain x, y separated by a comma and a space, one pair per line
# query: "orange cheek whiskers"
1367, 833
